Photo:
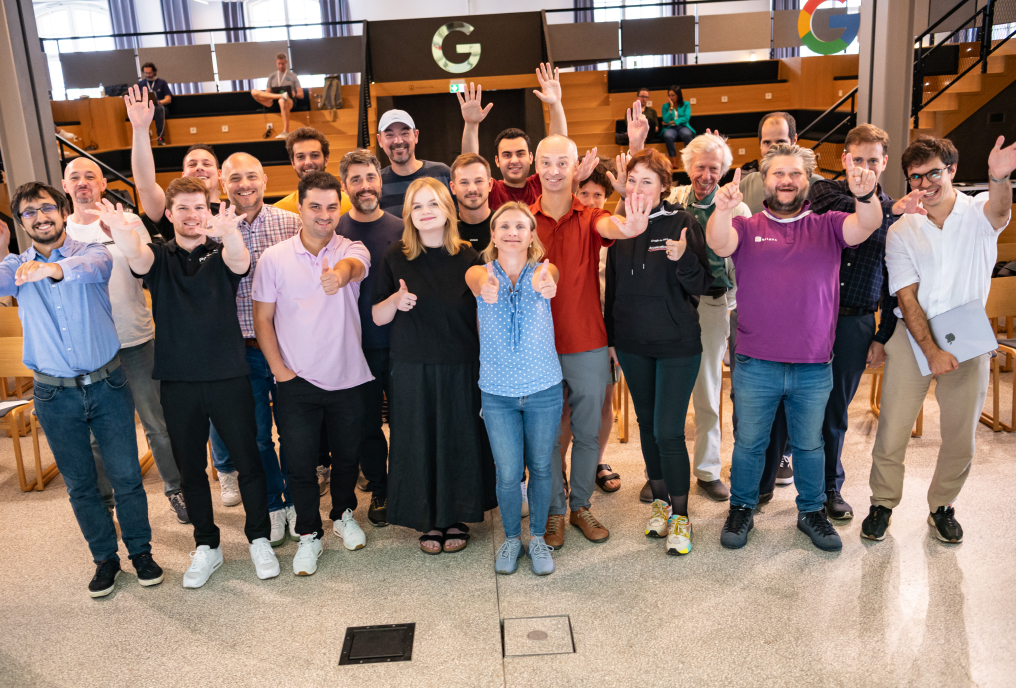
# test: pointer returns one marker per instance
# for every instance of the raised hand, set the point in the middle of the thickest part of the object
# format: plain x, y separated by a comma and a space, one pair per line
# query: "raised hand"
33, 271
331, 280
406, 301
729, 195
221, 225
5, 235
621, 164
545, 283
636, 209
586, 166
861, 180
114, 218
140, 110
638, 127
550, 84
1001, 161
676, 249
910, 204
472, 111
488, 292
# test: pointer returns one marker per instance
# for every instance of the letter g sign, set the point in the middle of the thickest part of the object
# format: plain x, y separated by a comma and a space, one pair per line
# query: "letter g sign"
473, 49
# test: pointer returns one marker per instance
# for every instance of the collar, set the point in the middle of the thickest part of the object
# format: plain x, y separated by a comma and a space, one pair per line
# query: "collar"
257, 218
57, 253
208, 246
805, 212
330, 247
576, 206
706, 203
961, 205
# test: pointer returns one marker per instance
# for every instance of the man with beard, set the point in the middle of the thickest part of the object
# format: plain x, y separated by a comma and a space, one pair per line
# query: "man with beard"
83, 181
471, 185
787, 261
360, 173
80, 386
308, 151
397, 135
261, 226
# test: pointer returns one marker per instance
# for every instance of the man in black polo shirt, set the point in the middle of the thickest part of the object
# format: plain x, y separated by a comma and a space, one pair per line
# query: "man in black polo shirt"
200, 357
471, 184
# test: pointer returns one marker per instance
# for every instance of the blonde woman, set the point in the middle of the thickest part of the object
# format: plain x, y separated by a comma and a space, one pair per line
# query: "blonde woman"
441, 474
520, 376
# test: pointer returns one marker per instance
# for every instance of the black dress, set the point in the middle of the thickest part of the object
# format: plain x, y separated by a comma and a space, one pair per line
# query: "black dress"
440, 467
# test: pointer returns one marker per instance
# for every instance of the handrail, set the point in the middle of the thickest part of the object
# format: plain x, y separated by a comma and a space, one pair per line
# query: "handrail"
119, 177
850, 95
931, 29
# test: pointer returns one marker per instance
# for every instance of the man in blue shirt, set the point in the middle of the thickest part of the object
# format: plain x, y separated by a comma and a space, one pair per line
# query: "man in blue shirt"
71, 345
160, 94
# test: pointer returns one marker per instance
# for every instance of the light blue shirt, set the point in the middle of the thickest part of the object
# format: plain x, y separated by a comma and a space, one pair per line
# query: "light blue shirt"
68, 325
517, 352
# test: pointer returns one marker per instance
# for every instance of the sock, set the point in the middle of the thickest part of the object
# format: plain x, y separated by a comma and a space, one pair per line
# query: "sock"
680, 505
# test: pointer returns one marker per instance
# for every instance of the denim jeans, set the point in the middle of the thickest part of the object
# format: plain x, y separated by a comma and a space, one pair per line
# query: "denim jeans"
220, 455
522, 432
106, 409
670, 135
804, 390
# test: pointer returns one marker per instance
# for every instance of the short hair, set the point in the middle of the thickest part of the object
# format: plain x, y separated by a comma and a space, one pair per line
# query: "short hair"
359, 156
186, 185
511, 133
32, 191
536, 250
786, 117
470, 159
282, 56
707, 143
644, 88
205, 147
412, 245
149, 65
805, 155
318, 179
599, 177
656, 162
680, 96
926, 148
867, 133
306, 134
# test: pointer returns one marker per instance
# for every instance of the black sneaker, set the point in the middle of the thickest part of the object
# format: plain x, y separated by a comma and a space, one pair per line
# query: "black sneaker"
785, 474
149, 573
765, 498
816, 525
740, 520
947, 529
876, 523
104, 579
377, 514
179, 507
835, 507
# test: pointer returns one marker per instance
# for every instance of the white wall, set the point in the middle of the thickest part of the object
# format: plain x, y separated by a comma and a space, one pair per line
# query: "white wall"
373, 10
150, 19
730, 8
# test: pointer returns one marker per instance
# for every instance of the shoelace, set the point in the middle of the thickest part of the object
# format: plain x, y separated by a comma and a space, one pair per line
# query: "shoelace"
821, 524
834, 496
588, 517
262, 553
949, 516
539, 550
737, 520
199, 557
659, 511
506, 549
679, 526
553, 525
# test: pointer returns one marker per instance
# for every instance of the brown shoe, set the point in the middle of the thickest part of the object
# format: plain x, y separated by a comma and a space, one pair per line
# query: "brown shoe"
584, 520
554, 536
715, 489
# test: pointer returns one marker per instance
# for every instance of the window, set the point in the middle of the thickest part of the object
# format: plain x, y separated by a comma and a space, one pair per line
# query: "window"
266, 13
633, 9
74, 21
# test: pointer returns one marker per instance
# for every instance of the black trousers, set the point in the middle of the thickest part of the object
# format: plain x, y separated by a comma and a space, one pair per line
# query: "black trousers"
229, 405
300, 410
374, 448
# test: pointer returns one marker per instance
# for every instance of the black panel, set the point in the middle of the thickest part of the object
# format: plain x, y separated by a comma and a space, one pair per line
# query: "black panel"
945, 60
742, 125
694, 76
224, 104
170, 158
976, 136
372, 644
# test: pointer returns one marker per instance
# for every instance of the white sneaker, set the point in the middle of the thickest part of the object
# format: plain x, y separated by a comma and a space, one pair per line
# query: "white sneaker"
525, 501
229, 488
657, 526
307, 554
278, 519
349, 531
324, 474
266, 565
291, 520
204, 562
678, 535
285, 95
282, 135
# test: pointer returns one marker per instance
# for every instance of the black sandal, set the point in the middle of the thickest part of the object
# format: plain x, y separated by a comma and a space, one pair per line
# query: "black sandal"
427, 537
601, 480
464, 536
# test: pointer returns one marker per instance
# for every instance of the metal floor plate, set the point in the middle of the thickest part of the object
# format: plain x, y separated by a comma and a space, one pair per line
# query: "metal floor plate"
373, 644
537, 635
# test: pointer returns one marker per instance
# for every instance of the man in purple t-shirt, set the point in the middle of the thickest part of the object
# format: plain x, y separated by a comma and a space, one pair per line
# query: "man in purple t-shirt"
787, 262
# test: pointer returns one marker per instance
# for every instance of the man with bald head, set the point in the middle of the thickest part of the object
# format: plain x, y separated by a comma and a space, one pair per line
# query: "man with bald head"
84, 183
261, 227
573, 235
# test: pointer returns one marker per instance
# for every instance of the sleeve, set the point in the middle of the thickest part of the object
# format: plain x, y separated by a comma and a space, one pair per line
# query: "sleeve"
264, 286
159, 251
683, 115
296, 81
358, 250
887, 316
902, 271
8, 267
693, 272
597, 214
826, 195
94, 264
609, 294
384, 280
740, 225
983, 226
836, 219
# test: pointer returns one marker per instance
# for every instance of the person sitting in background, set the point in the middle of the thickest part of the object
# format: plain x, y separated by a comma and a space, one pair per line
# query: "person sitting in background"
471, 185
676, 118
308, 151
161, 96
282, 86
649, 112
397, 135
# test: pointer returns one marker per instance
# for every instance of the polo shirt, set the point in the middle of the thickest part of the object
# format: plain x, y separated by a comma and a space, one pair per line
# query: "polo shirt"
292, 203
501, 193
953, 264
573, 245
319, 334
194, 302
394, 186
788, 287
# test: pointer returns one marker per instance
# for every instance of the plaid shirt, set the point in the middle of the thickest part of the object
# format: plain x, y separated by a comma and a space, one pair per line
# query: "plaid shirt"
864, 280
270, 227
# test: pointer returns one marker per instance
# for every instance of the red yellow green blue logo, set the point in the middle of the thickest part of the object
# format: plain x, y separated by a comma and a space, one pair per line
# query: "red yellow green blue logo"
850, 23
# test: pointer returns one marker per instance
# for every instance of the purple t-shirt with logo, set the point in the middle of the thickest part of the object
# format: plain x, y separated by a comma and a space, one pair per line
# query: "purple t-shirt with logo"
788, 289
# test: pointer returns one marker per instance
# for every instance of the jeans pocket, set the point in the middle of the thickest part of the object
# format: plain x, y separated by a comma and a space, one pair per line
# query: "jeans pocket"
117, 379
43, 392
741, 359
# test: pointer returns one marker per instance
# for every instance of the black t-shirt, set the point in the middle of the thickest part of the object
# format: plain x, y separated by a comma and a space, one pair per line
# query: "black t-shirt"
477, 235
194, 304
165, 227
441, 328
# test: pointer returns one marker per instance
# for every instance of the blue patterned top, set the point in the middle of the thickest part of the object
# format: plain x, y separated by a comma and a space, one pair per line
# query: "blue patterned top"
517, 353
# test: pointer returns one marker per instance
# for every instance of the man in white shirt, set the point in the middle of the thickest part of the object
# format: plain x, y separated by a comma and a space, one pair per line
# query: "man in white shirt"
84, 183
938, 259
282, 86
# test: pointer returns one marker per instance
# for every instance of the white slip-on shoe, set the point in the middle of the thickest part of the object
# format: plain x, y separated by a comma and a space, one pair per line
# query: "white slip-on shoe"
307, 554
229, 488
291, 520
266, 564
349, 531
278, 519
204, 562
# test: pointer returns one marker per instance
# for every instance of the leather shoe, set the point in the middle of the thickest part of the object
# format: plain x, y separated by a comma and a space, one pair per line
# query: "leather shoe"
555, 531
646, 495
714, 489
584, 520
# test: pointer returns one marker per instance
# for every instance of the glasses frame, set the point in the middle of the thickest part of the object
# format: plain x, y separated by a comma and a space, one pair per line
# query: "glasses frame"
30, 213
915, 179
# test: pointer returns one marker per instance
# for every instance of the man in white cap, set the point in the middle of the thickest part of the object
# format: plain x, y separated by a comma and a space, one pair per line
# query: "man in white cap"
397, 135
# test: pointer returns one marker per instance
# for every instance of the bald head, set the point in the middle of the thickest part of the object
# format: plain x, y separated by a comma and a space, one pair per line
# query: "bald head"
556, 159
84, 183
556, 144
244, 180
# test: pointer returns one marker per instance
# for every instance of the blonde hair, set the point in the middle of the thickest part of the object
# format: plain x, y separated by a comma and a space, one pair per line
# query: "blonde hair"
534, 254
412, 245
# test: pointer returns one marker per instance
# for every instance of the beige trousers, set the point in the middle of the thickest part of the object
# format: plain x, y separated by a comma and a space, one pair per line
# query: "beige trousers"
960, 395
705, 397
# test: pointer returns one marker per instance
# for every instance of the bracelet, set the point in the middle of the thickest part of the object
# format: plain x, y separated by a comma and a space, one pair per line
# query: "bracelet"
997, 181
866, 197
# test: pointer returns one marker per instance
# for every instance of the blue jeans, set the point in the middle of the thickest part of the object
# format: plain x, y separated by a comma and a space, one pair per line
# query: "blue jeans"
671, 134
263, 382
804, 390
220, 455
522, 432
106, 409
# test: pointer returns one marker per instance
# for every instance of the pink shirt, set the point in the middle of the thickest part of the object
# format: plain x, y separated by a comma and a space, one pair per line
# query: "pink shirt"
319, 335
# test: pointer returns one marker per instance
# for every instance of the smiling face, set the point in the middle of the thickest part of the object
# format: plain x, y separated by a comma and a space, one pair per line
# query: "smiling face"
774, 130
399, 142
556, 158
513, 159
426, 212
705, 172
643, 180
592, 195
201, 165
320, 212
512, 234
245, 182
471, 186
363, 186
46, 227
83, 181
786, 184
870, 155
936, 192
188, 213
308, 157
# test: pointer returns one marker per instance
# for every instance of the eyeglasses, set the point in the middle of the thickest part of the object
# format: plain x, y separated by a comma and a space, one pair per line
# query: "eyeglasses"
30, 213
931, 175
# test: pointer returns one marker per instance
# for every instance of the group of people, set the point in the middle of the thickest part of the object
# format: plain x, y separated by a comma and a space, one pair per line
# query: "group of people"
473, 308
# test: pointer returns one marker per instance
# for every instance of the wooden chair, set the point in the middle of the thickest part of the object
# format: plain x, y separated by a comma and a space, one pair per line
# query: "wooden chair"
11, 365
1001, 304
10, 326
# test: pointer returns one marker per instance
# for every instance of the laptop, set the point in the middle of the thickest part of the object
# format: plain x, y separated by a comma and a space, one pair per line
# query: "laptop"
964, 331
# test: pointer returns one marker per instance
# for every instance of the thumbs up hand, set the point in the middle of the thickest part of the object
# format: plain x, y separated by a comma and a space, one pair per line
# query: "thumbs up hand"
544, 282
329, 279
405, 300
675, 249
488, 292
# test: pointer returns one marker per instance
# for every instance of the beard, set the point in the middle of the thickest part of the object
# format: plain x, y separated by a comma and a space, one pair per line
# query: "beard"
37, 236
793, 206
365, 202
400, 153
472, 202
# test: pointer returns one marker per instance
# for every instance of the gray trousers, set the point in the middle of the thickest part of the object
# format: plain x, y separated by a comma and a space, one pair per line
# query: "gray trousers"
587, 375
138, 362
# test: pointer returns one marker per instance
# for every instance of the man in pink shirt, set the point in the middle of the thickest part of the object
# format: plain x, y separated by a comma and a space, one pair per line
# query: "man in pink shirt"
308, 327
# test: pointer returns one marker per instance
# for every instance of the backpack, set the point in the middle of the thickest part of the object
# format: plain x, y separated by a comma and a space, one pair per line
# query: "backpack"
332, 99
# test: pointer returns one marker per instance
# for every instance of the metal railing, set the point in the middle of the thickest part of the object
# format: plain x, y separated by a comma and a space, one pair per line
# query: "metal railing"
116, 194
848, 121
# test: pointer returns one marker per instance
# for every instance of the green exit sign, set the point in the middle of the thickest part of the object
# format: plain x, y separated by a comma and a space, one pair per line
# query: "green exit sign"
457, 87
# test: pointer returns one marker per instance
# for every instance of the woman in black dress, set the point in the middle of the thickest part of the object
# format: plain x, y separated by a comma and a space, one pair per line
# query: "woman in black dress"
440, 469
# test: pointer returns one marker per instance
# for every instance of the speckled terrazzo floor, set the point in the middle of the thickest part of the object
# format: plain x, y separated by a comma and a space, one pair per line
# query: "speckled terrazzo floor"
909, 611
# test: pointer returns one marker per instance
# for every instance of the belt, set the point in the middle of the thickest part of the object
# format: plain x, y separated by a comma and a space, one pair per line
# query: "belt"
716, 292
96, 375
252, 343
854, 311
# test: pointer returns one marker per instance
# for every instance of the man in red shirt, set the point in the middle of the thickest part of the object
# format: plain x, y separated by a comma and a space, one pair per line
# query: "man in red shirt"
573, 235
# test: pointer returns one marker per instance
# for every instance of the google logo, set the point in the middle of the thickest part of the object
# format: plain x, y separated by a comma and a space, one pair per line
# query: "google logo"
850, 23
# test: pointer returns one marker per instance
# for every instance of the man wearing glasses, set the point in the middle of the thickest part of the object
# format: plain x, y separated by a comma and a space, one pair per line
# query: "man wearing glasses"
397, 135
939, 258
